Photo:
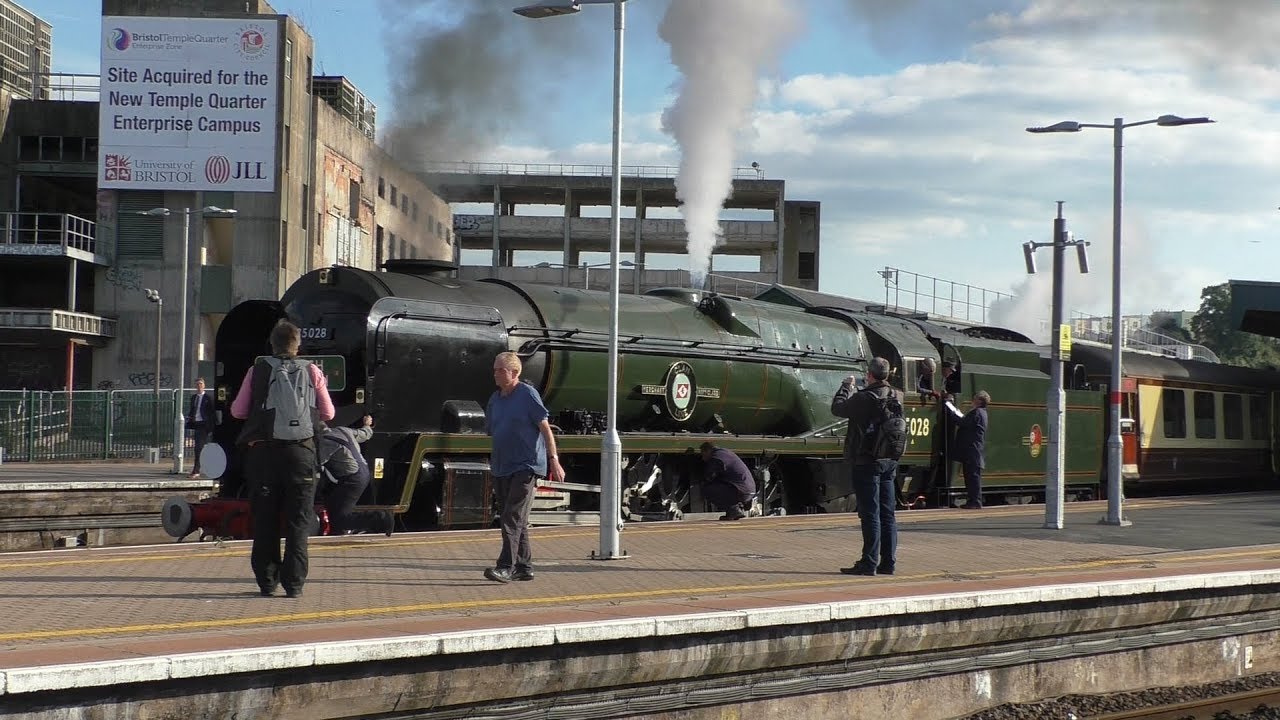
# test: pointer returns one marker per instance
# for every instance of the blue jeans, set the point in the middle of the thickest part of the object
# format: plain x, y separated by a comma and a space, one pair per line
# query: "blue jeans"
874, 486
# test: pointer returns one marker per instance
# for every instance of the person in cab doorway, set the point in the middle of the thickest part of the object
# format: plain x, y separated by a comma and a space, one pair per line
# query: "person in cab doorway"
971, 440
284, 401
727, 482
199, 421
873, 445
347, 475
524, 449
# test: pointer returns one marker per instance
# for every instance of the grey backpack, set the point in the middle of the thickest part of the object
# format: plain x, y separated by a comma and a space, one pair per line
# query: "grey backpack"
291, 398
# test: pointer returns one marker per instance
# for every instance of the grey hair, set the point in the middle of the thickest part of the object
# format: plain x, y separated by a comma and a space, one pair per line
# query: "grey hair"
879, 368
981, 398
927, 364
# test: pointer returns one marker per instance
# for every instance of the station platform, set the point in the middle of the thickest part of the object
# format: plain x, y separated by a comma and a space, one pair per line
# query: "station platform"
407, 624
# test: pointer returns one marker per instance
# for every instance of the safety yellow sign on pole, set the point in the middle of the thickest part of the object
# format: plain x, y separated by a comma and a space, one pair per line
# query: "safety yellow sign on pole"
1064, 341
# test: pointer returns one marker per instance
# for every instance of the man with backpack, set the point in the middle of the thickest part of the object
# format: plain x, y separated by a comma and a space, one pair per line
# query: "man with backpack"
283, 401
875, 441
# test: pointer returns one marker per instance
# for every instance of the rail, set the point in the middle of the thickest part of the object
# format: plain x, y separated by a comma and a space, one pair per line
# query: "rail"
57, 425
1142, 340
66, 86
937, 296
566, 169
34, 230
59, 320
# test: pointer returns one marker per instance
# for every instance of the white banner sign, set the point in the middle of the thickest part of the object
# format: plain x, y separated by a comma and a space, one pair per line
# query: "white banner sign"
188, 104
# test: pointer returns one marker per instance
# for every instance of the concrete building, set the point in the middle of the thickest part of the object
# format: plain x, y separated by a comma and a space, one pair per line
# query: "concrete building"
76, 260
26, 52
785, 244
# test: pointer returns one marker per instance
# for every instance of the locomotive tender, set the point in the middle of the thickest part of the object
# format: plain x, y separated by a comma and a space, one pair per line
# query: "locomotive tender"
413, 347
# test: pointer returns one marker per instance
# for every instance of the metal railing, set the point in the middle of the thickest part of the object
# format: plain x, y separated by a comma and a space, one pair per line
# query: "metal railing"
54, 319
38, 425
1143, 340
644, 171
959, 301
65, 86
48, 229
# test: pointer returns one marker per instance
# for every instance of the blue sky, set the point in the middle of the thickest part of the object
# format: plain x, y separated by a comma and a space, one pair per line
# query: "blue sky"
906, 119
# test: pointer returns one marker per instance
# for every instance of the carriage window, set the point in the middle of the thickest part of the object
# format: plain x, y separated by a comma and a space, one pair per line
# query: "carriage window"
1175, 413
1258, 417
1232, 417
1206, 418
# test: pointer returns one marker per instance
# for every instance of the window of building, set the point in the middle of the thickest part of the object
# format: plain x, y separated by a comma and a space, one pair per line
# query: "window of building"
1232, 417
439, 229
284, 243
1258, 417
91, 149
29, 148
395, 197
309, 76
288, 58
404, 204
807, 266
306, 205
391, 246
287, 148
1174, 404
404, 248
50, 149
139, 236
353, 201
415, 210
1206, 416
378, 250
382, 188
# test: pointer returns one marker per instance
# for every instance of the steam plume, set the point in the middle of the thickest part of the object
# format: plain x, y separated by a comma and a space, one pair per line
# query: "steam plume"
464, 73
721, 48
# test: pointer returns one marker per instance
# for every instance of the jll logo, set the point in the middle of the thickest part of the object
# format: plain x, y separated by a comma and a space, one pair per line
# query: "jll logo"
217, 169
248, 171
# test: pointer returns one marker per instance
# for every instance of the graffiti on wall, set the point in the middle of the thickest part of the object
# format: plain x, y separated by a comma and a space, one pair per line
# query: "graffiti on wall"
125, 277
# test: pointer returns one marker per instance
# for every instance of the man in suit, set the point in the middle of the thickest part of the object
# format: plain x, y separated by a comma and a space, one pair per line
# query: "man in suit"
971, 448
200, 421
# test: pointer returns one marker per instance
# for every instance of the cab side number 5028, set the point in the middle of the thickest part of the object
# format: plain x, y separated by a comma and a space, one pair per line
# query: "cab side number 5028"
314, 333
918, 426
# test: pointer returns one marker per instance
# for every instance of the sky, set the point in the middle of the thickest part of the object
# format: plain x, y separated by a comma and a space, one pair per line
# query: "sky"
905, 118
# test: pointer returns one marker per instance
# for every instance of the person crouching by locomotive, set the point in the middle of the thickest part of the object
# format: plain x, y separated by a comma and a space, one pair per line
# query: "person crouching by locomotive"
524, 449
971, 440
726, 481
347, 474
874, 443
283, 399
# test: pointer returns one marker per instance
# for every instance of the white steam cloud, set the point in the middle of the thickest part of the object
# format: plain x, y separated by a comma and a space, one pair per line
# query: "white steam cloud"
721, 48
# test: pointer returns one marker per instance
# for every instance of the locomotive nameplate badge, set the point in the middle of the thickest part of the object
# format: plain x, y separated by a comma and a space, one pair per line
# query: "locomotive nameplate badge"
680, 391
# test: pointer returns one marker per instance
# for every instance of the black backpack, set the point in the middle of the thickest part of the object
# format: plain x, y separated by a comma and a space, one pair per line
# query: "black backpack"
886, 437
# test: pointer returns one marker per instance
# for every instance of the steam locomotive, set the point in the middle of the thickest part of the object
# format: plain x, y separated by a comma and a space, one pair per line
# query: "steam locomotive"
413, 347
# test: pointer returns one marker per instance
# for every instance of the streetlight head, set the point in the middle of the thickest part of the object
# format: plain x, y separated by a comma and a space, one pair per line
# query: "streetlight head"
1064, 126
1029, 254
153, 295
1174, 120
153, 212
543, 265
215, 210
627, 263
548, 9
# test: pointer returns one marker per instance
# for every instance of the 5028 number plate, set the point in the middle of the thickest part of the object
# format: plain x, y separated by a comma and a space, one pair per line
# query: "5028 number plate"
316, 333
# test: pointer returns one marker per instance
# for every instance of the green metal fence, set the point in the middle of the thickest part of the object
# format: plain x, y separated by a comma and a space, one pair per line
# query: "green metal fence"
87, 424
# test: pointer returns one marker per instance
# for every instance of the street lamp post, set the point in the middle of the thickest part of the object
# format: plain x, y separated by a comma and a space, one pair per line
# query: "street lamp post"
611, 444
179, 425
153, 296
1115, 443
1055, 478
586, 269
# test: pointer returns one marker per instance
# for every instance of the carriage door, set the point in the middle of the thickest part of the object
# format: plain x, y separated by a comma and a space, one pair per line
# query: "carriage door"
1129, 424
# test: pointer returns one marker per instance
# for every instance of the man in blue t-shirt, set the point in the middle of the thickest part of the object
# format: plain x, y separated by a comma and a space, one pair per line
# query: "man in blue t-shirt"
524, 448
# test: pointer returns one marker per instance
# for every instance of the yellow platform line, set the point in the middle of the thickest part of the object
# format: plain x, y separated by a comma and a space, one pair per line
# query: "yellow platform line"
362, 613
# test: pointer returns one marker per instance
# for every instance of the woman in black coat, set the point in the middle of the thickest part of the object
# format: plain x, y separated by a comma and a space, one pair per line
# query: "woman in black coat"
971, 440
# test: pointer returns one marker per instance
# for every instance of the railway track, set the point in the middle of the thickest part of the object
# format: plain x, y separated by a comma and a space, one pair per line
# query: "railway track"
1213, 708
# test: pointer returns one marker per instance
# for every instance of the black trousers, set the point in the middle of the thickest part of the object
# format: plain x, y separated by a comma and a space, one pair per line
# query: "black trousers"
972, 470
282, 480
341, 501
516, 492
723, 495
200, 432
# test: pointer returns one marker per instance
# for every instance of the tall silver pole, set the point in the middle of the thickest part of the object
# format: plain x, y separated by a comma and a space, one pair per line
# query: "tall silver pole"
179, 427
611, 444
159, 326
1115, 444
1054, 485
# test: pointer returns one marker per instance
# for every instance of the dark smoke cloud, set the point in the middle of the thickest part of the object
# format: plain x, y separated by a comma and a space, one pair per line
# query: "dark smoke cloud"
466, 72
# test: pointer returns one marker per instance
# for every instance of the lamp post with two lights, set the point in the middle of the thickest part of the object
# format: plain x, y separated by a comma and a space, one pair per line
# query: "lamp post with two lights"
1115, 443
179, 425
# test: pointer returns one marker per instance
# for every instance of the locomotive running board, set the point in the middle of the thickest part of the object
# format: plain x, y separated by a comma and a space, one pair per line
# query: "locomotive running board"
581, 487
564, 517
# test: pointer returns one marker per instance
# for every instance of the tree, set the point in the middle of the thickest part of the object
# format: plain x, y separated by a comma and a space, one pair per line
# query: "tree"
1212, 328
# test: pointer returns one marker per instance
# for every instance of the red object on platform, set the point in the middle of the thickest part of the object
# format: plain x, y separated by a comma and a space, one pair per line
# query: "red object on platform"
230, 518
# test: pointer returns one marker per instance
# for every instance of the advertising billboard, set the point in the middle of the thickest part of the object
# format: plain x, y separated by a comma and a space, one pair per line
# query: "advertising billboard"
188, 104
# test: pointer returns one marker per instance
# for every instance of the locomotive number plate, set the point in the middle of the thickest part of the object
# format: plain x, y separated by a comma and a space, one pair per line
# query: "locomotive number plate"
316, 333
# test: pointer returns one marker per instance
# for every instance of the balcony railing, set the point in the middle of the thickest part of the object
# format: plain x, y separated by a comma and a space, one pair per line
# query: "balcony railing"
632, 171
26, 233
73, 323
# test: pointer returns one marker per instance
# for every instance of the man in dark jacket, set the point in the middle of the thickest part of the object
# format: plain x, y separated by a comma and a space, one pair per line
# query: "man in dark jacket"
726, 481
971, 448
873, 478
346, 475
200, 421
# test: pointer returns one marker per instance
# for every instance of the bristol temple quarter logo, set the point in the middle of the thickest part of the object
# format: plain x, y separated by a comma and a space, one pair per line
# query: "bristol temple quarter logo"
120, 39
252, 42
